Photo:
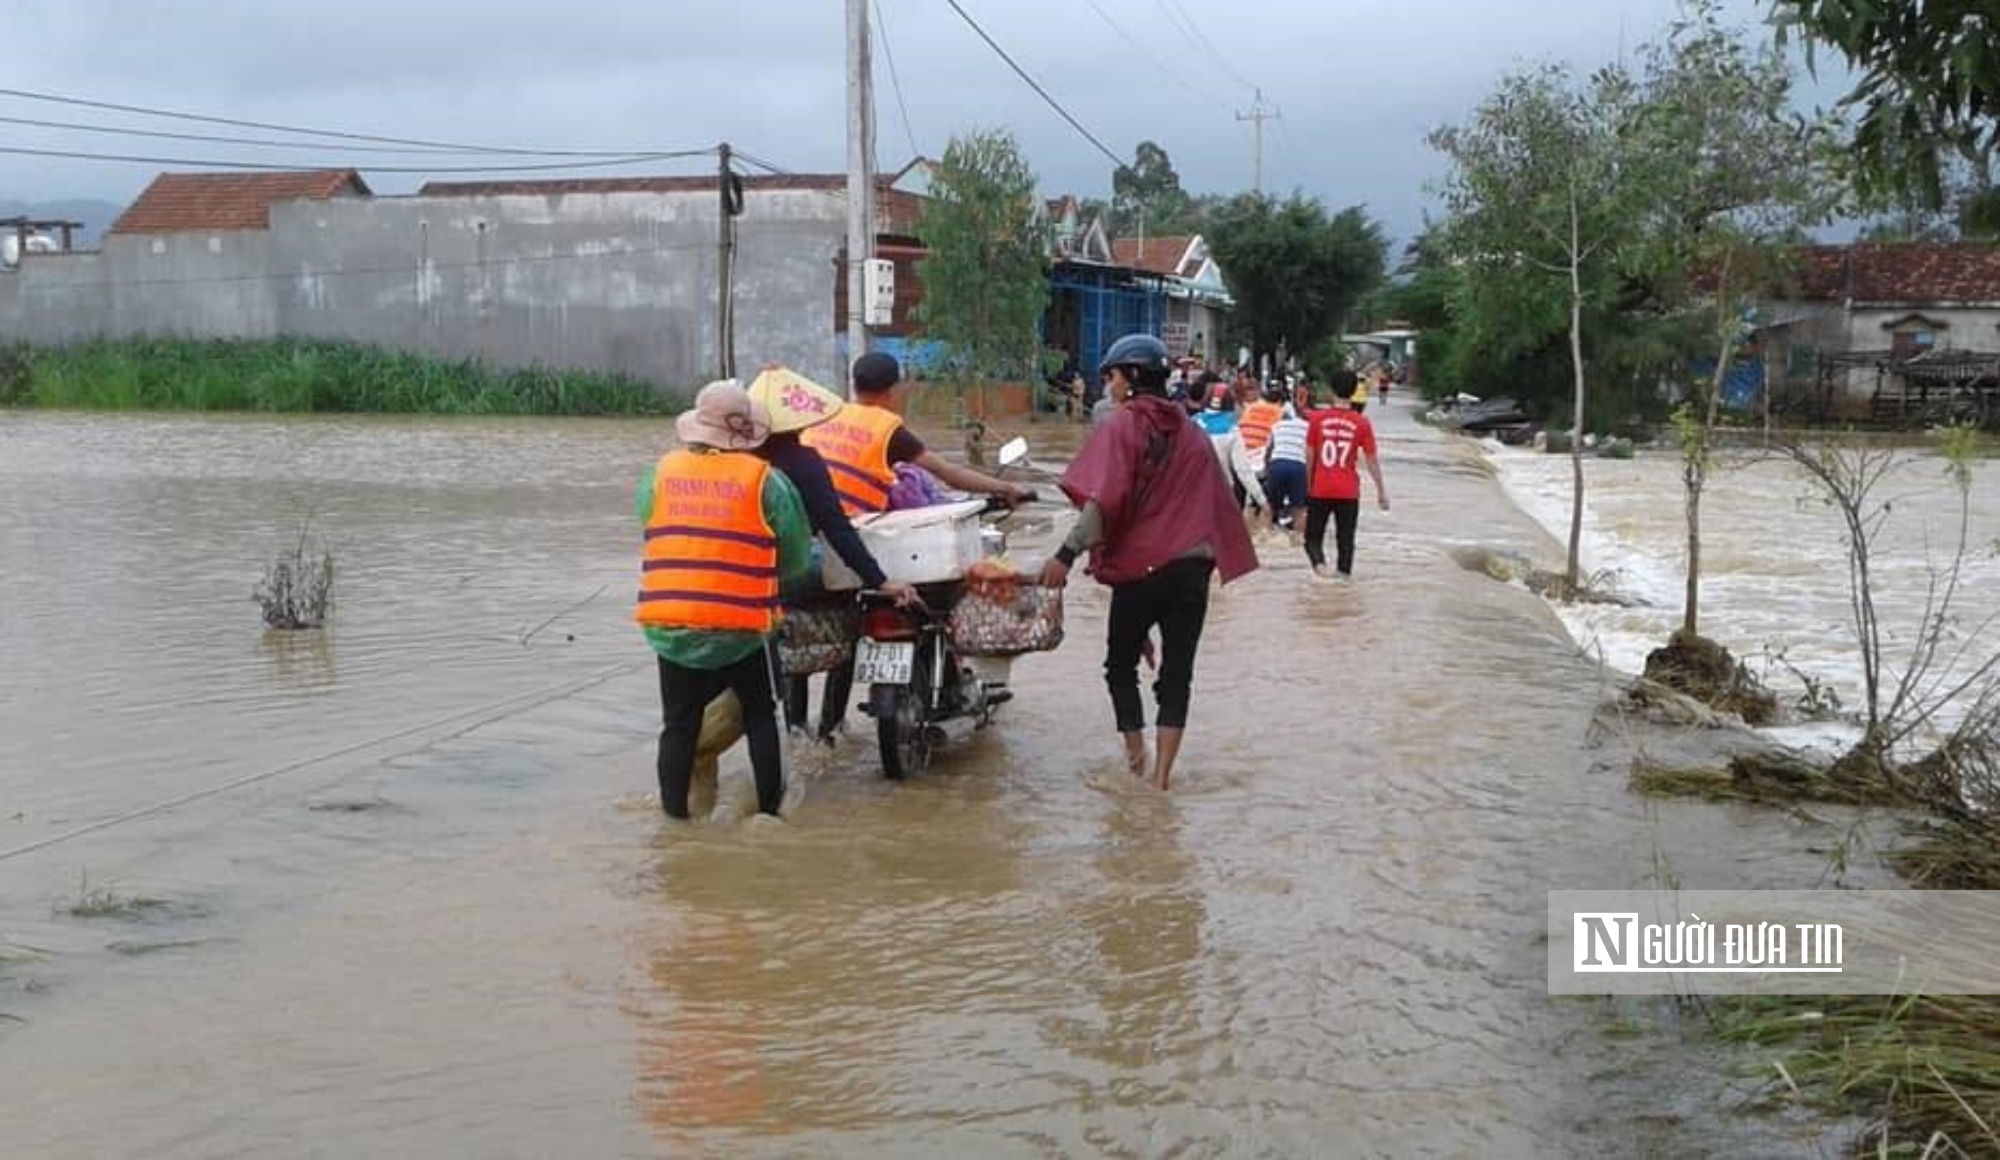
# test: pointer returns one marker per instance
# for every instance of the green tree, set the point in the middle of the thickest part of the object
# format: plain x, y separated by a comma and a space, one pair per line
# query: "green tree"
1927, 93
1147, 196
1488, 337
1731, 177
986, 275
1420, 296
1296, 272
1538, 203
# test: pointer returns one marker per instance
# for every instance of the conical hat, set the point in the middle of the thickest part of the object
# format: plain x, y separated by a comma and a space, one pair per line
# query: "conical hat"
794, 401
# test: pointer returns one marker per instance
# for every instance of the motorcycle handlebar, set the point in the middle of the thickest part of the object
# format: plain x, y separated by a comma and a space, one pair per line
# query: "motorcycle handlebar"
875, 597
996, 503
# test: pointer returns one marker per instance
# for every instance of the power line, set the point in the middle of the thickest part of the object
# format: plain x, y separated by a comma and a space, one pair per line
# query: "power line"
895, 82
211, 163
144, 111
1039, 90
1257, 115
760, 163
1159, 65
265, 142
1181, 19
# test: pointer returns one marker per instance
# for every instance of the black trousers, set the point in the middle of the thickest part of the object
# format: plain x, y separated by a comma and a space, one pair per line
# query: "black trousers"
684, 696
832, 705
1346, 514
1175, 598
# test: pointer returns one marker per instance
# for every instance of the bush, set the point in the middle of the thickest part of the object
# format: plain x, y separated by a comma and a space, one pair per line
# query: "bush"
297, 589
298, 375
15, 374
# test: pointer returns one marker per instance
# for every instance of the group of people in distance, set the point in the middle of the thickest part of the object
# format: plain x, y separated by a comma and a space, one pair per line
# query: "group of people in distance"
1287, 458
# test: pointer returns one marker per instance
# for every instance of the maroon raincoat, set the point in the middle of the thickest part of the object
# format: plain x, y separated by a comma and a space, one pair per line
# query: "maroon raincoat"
1160, 490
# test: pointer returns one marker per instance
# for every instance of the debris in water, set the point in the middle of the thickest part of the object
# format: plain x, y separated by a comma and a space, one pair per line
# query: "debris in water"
297, 589
354, 806
135, 948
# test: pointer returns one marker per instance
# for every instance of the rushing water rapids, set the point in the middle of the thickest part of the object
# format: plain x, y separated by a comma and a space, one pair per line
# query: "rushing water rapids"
437, 912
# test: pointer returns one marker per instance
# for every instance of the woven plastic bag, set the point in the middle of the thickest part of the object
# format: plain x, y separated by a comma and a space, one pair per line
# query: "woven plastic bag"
1006, 616
817, 637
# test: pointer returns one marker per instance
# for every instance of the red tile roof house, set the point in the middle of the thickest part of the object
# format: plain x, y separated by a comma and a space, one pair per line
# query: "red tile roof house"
613, 274
193, 254
1891, 331
216, 202
1196, 291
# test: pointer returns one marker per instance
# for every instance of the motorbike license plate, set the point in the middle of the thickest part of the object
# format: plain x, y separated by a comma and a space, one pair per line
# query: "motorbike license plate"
882, 662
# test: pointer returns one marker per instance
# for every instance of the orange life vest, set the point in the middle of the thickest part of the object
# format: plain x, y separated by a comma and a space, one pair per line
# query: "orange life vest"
1256, 423
711, 559
855, 445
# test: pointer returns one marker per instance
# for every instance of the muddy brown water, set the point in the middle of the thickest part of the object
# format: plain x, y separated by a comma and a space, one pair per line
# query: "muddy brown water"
437, 913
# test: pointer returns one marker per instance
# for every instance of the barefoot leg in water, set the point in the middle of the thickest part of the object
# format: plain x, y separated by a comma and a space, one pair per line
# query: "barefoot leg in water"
1136, 758
1170, 748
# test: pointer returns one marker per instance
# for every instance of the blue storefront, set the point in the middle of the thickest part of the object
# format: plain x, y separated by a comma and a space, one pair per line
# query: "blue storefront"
1091, 306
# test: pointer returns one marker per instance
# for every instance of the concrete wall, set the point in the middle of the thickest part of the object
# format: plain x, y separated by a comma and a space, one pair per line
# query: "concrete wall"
57, 298
1833, 329
1973, 328
620, 282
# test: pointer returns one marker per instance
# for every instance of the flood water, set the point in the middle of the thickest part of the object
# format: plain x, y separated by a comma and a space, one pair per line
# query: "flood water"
400, 887
1776, 588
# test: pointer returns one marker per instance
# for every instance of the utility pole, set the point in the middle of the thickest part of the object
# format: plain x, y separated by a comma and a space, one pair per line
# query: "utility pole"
730, 205
860, 179
1258, 114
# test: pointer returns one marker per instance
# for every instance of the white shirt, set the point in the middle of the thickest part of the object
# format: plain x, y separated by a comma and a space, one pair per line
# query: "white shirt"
1288, 438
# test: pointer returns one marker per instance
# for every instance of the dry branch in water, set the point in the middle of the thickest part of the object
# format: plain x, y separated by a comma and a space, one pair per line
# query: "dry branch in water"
297, 589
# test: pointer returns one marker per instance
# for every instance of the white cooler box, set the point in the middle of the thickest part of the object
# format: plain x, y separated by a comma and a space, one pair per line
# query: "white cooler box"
918, 546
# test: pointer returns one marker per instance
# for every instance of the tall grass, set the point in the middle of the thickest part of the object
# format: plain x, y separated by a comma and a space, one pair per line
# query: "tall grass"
1923, 1072
304, 375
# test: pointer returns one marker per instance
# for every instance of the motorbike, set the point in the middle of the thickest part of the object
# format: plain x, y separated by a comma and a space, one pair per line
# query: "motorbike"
916, 679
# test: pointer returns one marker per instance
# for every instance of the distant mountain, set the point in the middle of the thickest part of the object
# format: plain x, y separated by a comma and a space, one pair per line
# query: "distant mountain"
96, 216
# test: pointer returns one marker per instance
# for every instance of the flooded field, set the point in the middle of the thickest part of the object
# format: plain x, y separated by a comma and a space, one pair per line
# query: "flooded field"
401, 887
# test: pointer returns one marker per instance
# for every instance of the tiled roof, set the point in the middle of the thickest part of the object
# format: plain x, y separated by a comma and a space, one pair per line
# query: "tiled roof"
1153, 255
896, 212
1900, 272
227, 201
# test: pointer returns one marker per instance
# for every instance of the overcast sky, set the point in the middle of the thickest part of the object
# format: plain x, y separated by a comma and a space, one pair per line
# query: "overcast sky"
1358, 82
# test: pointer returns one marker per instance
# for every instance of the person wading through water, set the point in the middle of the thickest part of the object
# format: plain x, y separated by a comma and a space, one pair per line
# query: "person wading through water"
862, 446
1339, 443
794, 403
1158, 519
723, 531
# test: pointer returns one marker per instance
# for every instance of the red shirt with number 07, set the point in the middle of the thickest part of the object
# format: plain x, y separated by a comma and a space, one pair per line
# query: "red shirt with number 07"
1335, 442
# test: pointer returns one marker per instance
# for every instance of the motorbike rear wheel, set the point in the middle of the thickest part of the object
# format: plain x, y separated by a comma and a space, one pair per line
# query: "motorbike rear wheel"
903, 733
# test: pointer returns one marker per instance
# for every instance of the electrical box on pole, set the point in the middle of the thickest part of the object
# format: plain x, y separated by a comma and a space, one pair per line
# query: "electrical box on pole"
879, 292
